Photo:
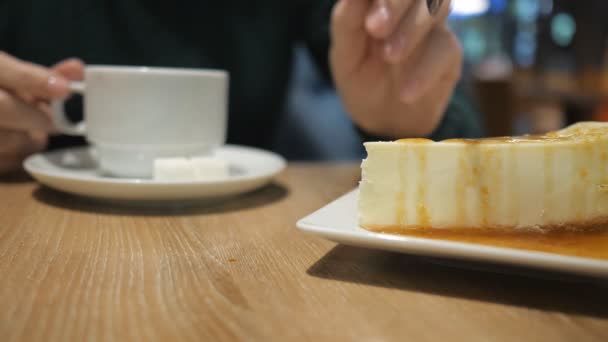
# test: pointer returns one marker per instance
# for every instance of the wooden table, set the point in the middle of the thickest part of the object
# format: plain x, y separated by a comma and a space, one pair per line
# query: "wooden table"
77, 270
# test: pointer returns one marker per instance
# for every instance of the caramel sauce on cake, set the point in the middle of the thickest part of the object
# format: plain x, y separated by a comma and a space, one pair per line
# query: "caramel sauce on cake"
591, 242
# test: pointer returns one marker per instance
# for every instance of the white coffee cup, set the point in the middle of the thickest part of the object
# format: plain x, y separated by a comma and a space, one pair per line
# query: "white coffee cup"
134, 115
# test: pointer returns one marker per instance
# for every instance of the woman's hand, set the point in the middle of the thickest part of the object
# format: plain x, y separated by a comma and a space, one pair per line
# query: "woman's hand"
395, 65
26, 90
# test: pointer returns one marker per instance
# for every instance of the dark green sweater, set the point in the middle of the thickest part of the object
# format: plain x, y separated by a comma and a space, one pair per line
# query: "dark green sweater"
253, 40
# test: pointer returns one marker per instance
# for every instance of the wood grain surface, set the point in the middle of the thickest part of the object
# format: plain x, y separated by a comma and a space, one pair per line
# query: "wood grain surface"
77, 270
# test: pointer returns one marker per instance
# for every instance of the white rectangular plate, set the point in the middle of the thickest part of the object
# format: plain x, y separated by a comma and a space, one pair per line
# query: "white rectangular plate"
338, 222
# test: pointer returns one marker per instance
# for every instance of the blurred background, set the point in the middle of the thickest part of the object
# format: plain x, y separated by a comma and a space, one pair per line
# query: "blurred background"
534, 65
531, 66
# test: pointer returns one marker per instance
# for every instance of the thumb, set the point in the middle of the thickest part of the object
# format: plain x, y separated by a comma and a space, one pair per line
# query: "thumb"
72, 69
30, 80
349, 36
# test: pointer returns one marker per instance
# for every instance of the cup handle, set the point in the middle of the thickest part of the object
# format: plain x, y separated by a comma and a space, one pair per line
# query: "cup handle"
59, 118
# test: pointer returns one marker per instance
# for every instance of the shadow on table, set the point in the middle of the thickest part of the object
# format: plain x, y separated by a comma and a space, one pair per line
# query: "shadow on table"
269, 194
476, 281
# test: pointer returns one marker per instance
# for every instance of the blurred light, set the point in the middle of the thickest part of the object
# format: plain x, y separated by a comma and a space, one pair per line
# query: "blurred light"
496, 67
563, 28
469, 8
498, 6
546, 7
527, 10
474, 44
525, 48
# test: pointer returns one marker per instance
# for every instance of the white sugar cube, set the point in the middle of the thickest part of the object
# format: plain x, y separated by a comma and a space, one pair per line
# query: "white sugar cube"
190, 169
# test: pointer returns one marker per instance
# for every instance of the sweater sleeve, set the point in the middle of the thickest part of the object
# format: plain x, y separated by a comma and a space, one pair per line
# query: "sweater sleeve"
461, 120
6, 18
313, 30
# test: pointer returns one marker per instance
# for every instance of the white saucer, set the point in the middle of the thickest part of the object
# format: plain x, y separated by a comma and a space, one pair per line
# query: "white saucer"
338, 222
75, 171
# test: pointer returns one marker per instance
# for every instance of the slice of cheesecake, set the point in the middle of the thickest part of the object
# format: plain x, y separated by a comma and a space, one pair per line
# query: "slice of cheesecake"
555, 180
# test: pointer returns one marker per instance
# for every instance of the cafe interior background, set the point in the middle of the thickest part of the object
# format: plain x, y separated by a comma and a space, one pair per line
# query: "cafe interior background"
531, 66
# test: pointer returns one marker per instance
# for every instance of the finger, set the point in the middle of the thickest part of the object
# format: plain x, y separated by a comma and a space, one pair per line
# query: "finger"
72, 69
26, 97
434, 6
16, 146
18, 115
349, 40
441, 57
415, 25
44, 107
38, 141
23, 77
385, 15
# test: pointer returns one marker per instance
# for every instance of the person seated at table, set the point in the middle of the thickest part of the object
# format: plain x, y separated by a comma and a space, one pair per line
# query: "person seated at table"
394, 63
